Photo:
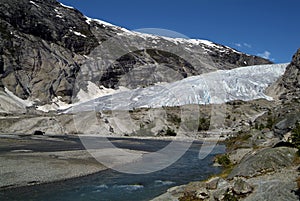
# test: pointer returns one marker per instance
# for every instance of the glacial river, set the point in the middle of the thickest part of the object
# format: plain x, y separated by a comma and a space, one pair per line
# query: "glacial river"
110, 185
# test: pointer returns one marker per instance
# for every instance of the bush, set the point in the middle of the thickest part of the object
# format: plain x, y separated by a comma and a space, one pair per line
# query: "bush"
189, 196
238, 141
174, 119
170, 132
203, 124
223, 160
296, 137
229, 197
270, 122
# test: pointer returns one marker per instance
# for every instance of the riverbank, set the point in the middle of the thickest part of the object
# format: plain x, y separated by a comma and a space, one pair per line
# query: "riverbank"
110, 184
32, 160
27, 160
256, 168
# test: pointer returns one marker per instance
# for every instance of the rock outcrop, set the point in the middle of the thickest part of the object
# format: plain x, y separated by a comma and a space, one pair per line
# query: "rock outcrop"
286, 92
278, 184
288, 86
267, 160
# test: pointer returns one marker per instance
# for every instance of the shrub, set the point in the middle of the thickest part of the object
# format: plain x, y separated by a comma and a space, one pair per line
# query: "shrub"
223, 160
174, 119
203, 124
237, 141
296, 137
170, 132
270, 122
189, 196
229, 197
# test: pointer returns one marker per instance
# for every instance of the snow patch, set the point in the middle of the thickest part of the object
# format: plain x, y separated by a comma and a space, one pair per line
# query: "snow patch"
78, 33
32, 2
56, 104
26, 103
103, 23
59, 14
93, 91
89, 20
66, 6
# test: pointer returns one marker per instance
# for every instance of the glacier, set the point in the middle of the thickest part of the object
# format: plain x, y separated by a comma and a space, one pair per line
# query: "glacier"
244, 83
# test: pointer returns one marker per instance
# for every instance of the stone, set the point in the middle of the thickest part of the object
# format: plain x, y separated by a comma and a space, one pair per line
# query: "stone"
212, 183
219, 194
241, 187
223, 184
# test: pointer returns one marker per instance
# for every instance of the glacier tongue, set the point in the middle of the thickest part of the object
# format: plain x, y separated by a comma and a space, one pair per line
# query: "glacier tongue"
245, 83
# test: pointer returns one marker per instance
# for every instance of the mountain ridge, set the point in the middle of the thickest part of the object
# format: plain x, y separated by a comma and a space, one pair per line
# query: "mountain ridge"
44, 46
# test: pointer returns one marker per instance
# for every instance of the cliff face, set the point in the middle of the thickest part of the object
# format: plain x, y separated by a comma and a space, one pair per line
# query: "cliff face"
286, 92
290, 81
44, 45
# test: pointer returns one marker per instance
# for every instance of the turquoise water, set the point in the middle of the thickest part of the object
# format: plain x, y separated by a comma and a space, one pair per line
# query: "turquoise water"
113, 186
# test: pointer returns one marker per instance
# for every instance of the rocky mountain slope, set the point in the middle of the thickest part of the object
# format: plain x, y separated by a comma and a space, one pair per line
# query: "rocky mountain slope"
285, 113
288, 86
45, 47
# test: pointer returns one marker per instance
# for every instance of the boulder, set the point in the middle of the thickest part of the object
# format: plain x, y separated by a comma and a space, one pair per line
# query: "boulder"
212, 183
241, 187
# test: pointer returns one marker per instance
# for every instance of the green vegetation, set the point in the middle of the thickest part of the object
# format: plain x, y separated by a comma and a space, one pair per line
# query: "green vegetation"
270, 122
296, 137
189, 196
170, 132
204, 124
229, 197
236, 142
174, 119
223, 160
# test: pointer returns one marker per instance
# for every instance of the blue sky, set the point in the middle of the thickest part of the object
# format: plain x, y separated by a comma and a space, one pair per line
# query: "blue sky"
259, 27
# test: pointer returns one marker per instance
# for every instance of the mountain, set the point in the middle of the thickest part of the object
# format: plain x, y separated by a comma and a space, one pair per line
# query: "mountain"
49, 51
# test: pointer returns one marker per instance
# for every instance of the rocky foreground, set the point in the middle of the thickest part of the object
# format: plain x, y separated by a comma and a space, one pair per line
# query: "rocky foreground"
250, 174
262, 162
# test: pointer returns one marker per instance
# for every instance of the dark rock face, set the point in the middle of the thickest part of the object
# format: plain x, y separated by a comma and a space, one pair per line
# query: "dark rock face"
43, 46
38, 48
287, 91
291, 78
48, 21
288, 86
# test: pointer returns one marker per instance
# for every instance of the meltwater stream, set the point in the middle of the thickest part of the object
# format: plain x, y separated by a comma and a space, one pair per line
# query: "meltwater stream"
110, 185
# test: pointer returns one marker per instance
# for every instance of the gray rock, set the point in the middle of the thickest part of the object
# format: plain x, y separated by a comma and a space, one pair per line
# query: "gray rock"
274, 187
266, 160
241, 187
223, 184
212, 183
219, 194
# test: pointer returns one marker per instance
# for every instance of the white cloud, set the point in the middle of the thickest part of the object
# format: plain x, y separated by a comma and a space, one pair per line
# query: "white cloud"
245, 45
265, 54
238, 44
